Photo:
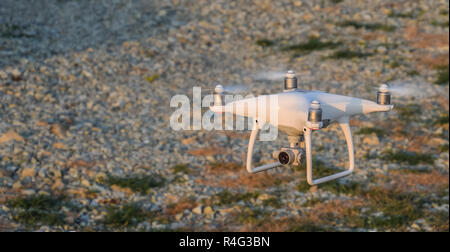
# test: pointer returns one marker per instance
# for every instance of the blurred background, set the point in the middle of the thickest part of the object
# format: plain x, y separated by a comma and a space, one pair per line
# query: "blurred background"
85, 140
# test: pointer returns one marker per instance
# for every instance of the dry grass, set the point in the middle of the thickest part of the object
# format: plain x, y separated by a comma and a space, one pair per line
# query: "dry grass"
424, 40
206, 151
180, 206
224, 168
416, 182
320, 216
234, 175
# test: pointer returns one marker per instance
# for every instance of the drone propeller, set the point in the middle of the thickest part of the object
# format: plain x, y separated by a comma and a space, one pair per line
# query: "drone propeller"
269, 76
402, 89
230, 89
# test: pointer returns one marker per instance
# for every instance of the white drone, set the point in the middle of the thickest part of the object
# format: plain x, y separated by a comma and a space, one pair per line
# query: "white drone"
300, 112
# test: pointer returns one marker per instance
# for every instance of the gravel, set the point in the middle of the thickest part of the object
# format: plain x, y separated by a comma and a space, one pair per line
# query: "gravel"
76, 98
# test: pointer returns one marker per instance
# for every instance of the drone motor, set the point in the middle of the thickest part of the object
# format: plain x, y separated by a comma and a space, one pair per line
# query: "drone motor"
290, 81
383, 95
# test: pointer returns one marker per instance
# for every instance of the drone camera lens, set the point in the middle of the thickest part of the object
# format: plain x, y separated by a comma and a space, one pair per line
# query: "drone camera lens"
285, 158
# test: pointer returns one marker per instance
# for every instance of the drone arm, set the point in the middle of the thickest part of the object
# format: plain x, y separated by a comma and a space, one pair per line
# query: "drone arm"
345, 126
251, 143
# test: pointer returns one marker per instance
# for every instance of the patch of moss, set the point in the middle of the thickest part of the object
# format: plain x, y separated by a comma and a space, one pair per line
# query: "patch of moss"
312, 202
395, 14
36, 210
350, 188
274, 202
152, 78
124, 216
181, 168
313, 44
264, 42
443, 76
399, 209
412, 158
408, 112
440, 24
443, 148
137, 184
348, 54
370, 130
8, 30
413, 73
442, 120
252, 216
395, 64
226, 197
370, 27
308, 226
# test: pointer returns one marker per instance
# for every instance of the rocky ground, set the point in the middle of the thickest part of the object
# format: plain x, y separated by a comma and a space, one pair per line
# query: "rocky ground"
85, 140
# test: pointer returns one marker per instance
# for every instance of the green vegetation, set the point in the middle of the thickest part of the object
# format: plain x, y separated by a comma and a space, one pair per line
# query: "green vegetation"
265, 42
13, 31
348, 54
443, 75
225, 197
442, 120
443, 148
252, 216
371, 130
395, 64
350, 188
370, 27
313, 44
413, 73
152, 78
274, 202
394, 14
408, 112
336, 1
312, 202
308, 226
125, 216
412, 158
443, 24
136, 184
36, 210
181, 168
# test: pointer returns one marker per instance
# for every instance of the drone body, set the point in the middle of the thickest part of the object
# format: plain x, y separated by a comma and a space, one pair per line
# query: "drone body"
298, 114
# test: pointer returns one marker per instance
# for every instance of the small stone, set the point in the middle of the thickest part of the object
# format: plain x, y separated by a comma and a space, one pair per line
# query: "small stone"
189, 140
264, 196
28, 172
381, 49
371, 139
3, 75
60, 146
9, 136
28, 192
208, 210
15, 74
56, 130
179, 216
198, 210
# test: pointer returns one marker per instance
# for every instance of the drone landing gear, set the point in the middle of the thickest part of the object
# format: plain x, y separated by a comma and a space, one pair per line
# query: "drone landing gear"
251, 143
297, 155
345, 126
